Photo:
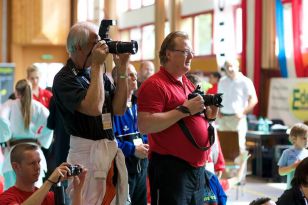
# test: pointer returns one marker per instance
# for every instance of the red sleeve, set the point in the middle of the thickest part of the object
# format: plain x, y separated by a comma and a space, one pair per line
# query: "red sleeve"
220, 164
1, 184
151, 97
47, 96
225, 184
50, 199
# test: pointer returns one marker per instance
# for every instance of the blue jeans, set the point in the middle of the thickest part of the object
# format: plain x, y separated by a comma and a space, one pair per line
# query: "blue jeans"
138, 187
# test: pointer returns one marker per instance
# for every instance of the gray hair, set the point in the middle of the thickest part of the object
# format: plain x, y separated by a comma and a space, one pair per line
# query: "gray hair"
79, 36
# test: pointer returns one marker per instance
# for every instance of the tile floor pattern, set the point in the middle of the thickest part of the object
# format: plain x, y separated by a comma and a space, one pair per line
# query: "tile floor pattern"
255, 188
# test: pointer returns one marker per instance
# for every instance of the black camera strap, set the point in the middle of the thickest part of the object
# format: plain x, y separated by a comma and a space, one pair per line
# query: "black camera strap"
211, 135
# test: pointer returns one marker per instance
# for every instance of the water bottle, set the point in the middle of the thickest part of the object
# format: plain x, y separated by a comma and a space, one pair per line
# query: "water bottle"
261, 124
266, 125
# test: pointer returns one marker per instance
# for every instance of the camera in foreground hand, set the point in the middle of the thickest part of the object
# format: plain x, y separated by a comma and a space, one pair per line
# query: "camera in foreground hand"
208, 99
116, 47
74, 170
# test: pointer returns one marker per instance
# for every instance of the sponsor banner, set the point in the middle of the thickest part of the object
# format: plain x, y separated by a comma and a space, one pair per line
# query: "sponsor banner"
288, 100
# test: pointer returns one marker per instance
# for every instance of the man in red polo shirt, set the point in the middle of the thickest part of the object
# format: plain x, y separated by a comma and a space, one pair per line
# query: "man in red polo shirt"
176, 166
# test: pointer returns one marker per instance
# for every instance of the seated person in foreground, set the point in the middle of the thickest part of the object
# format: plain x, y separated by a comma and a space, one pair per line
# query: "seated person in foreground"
25, 160
298, 194
214, 193
262, 201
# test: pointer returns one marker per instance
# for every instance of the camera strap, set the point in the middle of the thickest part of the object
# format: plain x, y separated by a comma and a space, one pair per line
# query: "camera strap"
211, 135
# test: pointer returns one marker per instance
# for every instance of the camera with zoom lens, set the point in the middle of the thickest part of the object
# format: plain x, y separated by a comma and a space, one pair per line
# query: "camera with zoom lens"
74, 170
208, 99
116, 47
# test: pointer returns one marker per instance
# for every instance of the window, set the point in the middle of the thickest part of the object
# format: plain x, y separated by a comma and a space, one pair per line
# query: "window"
47, 73
167, 28
145, 36
304, 36
125, 5
122, 6
90, 10
203, 34
288, 34
199, 30
238, 30
187, 26
148, 42
135, 34
148, 2
135, 4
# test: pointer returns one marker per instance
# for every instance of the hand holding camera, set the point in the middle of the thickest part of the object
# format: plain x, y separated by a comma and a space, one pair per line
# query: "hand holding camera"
99, 53
74, 170
195, 105
64, 171
207, 100
121, 61
116, 47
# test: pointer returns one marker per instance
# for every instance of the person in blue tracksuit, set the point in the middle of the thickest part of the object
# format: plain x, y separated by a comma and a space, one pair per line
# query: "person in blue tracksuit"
214, 193
131, 142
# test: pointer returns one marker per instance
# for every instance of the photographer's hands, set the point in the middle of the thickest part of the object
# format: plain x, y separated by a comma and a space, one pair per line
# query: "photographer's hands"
62, 172
59, 174
121, 61
195, 105
99, 53
79, 180
120, 97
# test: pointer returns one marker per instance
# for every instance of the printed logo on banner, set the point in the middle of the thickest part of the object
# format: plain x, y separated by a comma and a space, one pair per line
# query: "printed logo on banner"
299, 101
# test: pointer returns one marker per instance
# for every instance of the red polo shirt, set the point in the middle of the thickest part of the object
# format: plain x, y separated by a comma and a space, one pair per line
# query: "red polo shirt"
162, 93
43, 97
15, 196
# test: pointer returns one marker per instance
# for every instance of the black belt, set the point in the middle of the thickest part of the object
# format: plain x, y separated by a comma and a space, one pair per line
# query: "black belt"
19, 141
227, 114
129, 138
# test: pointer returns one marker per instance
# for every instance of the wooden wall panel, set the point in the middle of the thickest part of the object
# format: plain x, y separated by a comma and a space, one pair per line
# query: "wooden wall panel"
56, 20
27, 55
40, 21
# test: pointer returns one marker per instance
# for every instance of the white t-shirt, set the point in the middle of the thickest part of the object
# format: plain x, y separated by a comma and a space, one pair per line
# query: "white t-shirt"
235, 93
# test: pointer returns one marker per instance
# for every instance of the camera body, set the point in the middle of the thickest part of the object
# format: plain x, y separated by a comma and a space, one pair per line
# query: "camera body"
116, 47
208, 99
74, 170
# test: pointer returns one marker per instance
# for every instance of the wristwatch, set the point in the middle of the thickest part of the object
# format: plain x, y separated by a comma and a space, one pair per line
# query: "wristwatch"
183, 109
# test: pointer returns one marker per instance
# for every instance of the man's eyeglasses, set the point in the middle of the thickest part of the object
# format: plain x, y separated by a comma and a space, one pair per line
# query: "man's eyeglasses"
185, 52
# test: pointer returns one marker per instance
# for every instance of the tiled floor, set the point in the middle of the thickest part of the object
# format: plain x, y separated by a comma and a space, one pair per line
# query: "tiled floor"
255, 188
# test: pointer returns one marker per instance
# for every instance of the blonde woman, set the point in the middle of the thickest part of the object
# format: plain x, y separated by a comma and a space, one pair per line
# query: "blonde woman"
23, 120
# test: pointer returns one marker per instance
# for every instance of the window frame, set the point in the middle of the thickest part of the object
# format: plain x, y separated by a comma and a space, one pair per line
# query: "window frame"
142, 5
235, 7
303, 49
193, 16
128, 29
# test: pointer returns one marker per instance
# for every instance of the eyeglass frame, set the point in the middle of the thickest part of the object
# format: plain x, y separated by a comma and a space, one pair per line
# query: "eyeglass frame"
186, 52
